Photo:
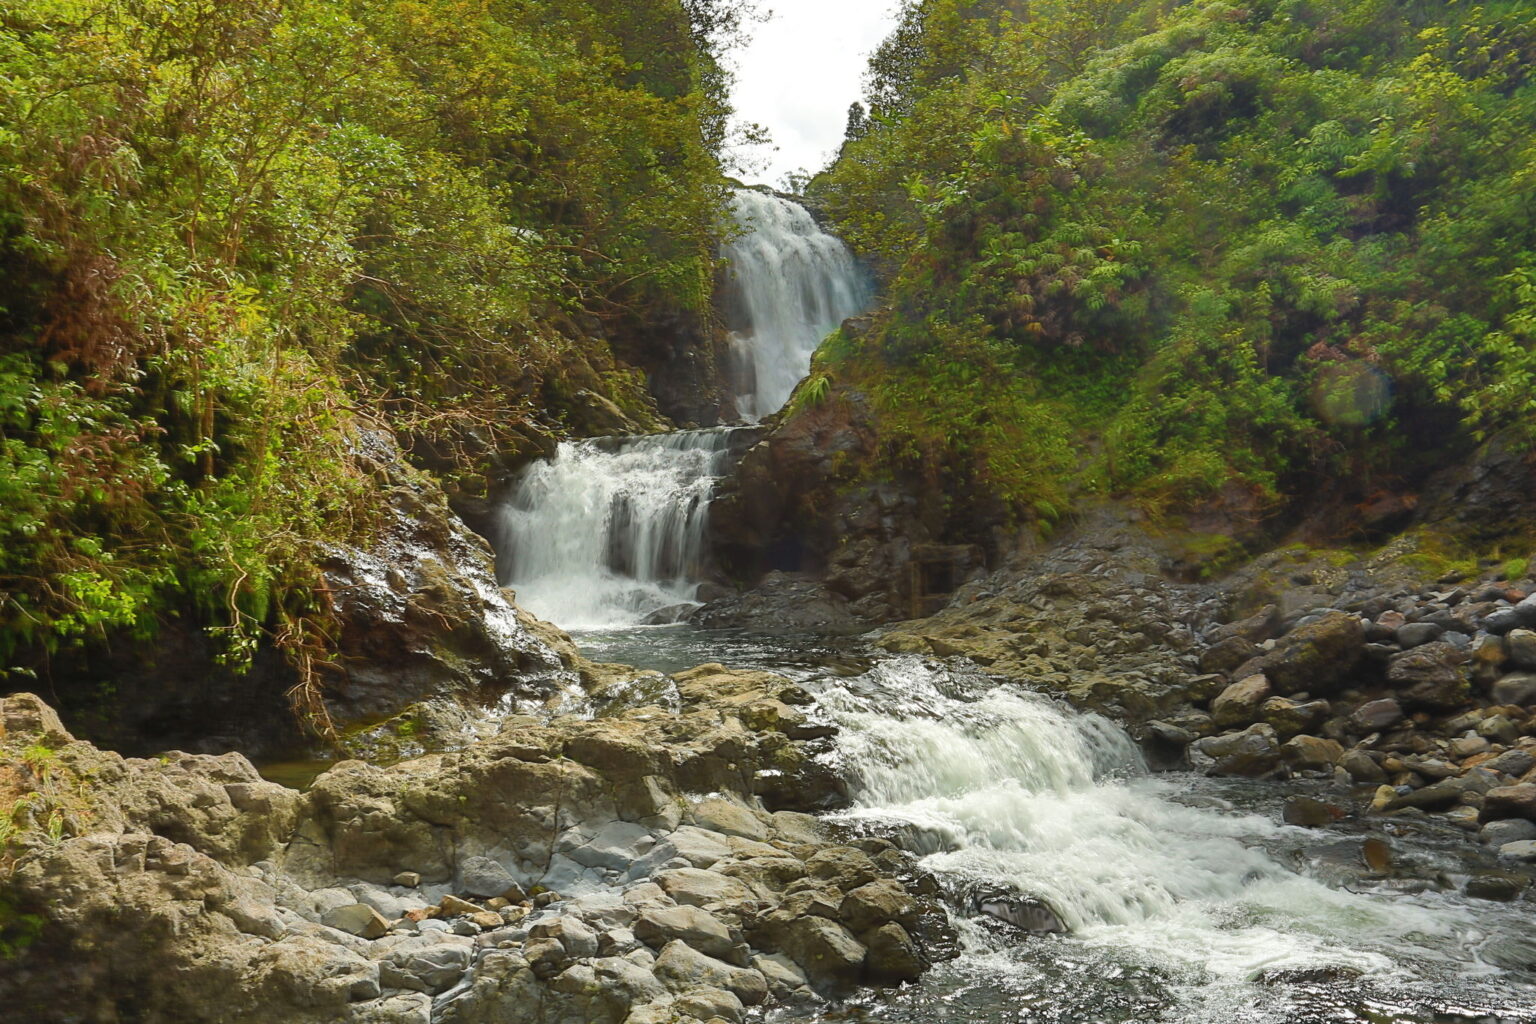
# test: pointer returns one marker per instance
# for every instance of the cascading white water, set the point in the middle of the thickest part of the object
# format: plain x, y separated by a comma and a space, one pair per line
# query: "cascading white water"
1008, 790
611, 530
789, 285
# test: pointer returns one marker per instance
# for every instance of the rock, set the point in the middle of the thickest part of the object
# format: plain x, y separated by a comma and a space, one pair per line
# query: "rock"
356, 919
1507, 830
1517, 688
892, 956
453, 906
1431, 676
1362, 767
573, 934
1518, 801
1465, 746
1491, 886
1523, 851
1416, 634
729, 817
426, 965
1309, 813
617, 846
699, 888
842, 866
1290, 717
872, 905
1499, 728
1025, 913
681, 968
1252, 753
1239, 703
1512, 762
1228, 654
1434, 797
784, 976
1376, 715
1520, 644
1256, 628
483, 877
408, 879
825, 950
1315, 657
1311, 753
711, 1004
657, 926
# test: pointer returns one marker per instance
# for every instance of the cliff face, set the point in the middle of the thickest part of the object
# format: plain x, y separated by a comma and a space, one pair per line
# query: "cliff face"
415, 615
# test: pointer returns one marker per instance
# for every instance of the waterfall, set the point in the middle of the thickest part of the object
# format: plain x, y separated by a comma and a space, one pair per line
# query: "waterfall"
611, 530
789, 285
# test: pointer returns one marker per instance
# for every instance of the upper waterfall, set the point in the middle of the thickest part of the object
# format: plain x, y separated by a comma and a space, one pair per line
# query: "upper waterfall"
789, 285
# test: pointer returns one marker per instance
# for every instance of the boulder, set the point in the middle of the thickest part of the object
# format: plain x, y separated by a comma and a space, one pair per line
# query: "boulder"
485, 878
1376, 715
1315, 657
1252, 753
699, 888
1518, 801
1311, 753
1228, 654
1239, 703
1290, 717
658, 926
1507, 830
893, 956
1516, 688
357, 919
825, 950
1520, 646
1432, 676
681, 968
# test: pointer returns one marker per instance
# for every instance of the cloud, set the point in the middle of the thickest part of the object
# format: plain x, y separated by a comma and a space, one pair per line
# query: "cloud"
802, 70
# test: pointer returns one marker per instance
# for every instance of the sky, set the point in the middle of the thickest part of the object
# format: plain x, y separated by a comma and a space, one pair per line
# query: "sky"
799, 74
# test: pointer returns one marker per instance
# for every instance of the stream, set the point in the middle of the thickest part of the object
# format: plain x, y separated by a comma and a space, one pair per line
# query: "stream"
1182, 898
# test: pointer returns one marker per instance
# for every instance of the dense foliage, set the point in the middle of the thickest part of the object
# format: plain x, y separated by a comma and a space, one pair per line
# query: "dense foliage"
230, 230
1241, 252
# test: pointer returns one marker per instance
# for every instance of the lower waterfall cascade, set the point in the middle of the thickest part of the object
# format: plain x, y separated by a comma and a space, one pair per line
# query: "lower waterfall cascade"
611, 532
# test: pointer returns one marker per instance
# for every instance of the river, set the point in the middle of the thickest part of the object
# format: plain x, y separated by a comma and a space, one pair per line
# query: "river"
1179, 898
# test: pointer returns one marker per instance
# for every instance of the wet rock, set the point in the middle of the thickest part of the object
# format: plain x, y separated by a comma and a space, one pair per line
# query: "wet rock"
1494, 886
1416, 634
1507, 830
1518, 801
1239, 703
1431, 676
893, 956
1523, 851
1310, 813
1025, 913
1252, 753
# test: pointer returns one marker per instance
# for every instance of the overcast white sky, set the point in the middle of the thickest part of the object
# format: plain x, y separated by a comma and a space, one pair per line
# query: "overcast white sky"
800, 73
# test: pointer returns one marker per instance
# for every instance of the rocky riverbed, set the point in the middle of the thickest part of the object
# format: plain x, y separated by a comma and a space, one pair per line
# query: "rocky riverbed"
652, 865
1409, 698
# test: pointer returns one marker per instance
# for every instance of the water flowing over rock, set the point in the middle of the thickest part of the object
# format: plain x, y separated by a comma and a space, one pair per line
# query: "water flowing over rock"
612, 530
789, 285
